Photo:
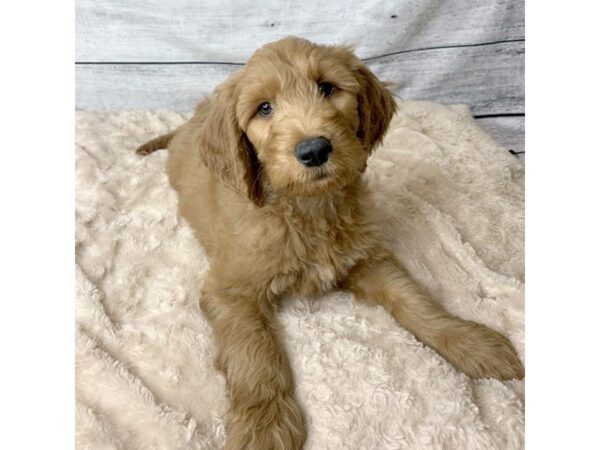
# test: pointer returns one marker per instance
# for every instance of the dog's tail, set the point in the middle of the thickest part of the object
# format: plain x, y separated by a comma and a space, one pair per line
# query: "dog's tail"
156, 144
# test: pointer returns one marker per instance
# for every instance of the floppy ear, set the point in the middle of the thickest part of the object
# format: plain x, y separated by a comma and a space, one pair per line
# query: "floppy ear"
224, 147
376, 106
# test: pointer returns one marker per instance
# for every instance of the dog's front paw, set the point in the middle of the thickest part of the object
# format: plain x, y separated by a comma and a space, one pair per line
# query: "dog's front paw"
480, 352
272, 425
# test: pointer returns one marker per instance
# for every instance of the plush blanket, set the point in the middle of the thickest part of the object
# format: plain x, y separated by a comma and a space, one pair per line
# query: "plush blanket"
451, 202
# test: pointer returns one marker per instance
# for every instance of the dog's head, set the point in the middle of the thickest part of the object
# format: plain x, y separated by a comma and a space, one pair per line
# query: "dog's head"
298, 118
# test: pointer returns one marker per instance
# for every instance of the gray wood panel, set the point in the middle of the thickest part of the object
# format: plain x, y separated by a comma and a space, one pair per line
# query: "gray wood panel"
141, 86
489, 78
508, 131
449, 75
214, 30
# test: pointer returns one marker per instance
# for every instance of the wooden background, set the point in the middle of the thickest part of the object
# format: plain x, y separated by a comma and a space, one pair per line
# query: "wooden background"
133, 54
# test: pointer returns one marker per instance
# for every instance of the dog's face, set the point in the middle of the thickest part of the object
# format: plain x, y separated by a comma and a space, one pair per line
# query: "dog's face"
302, 119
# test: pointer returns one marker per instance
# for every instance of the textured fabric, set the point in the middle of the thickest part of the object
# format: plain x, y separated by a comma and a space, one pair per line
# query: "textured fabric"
451, 202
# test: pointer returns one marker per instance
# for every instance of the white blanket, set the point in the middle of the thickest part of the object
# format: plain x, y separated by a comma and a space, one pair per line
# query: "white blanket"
451, 201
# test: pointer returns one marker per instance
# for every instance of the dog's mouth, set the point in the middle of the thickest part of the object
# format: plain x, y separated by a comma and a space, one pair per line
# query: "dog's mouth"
316, 181
318, 174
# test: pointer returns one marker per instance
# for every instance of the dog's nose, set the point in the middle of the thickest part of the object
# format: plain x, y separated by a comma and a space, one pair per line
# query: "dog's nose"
313, 152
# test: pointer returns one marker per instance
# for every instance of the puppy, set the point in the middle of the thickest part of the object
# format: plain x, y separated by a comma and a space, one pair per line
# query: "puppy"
268, 174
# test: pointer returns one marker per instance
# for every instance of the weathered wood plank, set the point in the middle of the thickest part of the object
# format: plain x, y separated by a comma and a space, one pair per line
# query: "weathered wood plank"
508, 131
133, 86
488, 78
184, 30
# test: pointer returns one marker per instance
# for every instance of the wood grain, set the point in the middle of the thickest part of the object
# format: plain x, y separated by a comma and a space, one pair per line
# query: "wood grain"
508, 131
214, 30
488, 78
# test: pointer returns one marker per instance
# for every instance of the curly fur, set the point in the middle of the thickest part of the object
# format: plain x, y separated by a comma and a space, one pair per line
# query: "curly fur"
272, 226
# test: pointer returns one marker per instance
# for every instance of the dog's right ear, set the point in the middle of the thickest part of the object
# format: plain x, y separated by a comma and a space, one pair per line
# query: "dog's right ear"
224, 147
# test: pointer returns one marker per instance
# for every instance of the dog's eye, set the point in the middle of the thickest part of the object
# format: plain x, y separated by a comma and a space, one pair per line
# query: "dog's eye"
326, 89
265, 109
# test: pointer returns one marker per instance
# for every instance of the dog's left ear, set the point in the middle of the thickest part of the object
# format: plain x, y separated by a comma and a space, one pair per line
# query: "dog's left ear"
376, 107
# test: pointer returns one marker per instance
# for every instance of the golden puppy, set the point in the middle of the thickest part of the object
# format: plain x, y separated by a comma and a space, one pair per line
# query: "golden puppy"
268, 173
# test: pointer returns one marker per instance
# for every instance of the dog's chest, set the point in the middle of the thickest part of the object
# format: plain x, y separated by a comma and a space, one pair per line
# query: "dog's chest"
318, 252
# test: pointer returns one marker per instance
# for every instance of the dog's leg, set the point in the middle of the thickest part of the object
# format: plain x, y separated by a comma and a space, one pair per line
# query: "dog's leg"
263, 413
471, 347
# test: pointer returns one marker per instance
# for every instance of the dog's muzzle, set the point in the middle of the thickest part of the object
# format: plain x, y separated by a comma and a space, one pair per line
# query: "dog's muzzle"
313, 152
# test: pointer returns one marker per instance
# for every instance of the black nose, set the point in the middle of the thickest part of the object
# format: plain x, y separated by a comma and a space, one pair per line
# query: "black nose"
313, 152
